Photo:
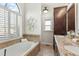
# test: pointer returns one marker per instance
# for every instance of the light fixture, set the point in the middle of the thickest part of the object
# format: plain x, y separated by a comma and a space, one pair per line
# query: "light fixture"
45, 10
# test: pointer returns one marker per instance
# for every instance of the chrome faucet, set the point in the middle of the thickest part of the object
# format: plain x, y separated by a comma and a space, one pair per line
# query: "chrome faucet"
5, 52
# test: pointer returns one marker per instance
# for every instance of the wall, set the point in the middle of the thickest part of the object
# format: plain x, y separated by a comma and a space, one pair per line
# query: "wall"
21, 18
47, 36
77, 19
33, 18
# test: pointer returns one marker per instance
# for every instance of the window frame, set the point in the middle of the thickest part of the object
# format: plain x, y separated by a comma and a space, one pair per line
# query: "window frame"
48, 25
17, 30
5, 7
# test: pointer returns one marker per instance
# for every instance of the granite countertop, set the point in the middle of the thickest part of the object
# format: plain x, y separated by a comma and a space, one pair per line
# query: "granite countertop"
73, 49
59, 41
64, 43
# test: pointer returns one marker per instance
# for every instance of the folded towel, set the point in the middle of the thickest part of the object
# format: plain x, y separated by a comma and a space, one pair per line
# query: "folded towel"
24, 40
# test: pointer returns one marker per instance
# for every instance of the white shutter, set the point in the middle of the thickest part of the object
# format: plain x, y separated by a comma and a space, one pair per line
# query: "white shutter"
3, 22
12, 23
6, 18
9, 24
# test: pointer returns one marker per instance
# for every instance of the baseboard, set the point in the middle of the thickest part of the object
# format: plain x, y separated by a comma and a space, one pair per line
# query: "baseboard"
45, 43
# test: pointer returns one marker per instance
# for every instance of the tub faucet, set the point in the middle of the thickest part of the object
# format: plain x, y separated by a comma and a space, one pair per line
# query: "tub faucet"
5, 52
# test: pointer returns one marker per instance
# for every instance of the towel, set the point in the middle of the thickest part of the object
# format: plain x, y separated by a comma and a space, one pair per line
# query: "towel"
24, 40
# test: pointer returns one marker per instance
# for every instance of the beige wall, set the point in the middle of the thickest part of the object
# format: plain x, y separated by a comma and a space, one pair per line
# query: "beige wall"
33, 11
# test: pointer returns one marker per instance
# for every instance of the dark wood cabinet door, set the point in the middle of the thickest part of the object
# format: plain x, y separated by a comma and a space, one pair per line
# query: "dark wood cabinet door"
60, 20
71, 18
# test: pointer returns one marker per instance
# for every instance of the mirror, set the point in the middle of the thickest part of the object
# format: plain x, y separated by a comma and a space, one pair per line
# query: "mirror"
71, 19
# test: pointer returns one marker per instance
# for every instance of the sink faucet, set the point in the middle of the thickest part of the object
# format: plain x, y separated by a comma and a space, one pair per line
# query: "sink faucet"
5, 52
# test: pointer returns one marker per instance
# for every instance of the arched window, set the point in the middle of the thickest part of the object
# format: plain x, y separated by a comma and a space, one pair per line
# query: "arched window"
9, 13
3, 4
11, 6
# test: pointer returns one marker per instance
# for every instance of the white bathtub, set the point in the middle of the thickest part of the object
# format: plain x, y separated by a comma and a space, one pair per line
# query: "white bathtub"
19, 49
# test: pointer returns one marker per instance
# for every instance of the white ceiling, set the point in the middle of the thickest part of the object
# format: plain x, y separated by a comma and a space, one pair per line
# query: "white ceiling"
55, 4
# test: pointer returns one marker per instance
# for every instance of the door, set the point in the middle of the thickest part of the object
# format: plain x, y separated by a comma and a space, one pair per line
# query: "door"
60, 20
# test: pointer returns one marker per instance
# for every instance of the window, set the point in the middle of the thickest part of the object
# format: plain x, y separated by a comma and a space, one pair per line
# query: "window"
8, 20
12, 23
3, 22
11, 6
47, 25
3, 4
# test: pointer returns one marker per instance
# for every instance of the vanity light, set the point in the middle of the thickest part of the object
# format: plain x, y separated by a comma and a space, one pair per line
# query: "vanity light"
45, 10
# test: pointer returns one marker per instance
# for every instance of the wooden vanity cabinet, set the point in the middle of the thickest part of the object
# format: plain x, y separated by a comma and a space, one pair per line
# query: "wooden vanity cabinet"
55, 48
